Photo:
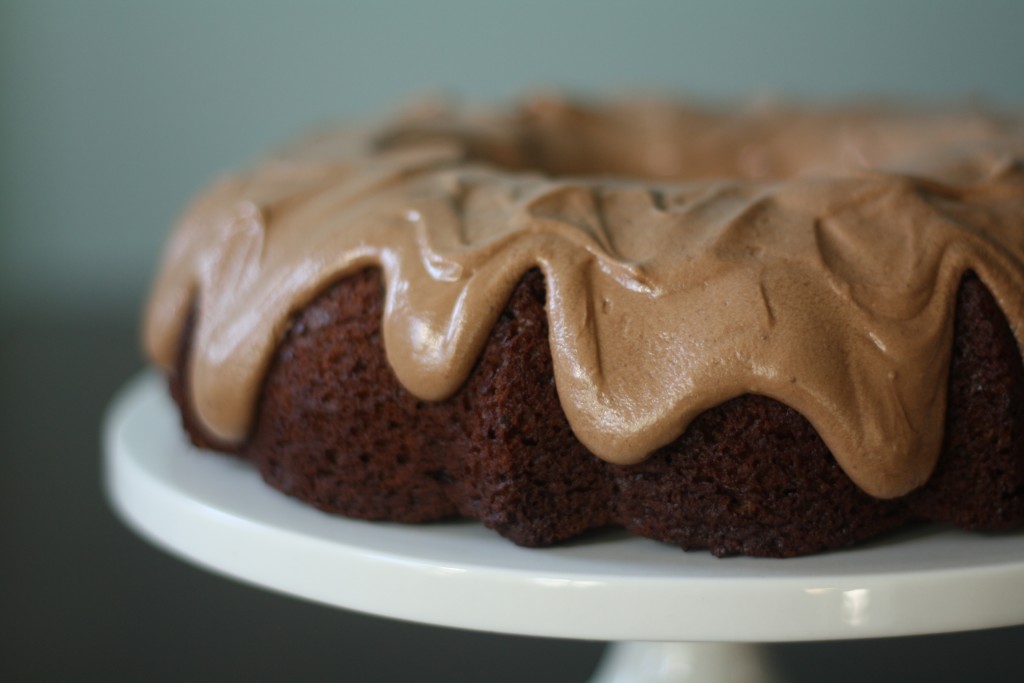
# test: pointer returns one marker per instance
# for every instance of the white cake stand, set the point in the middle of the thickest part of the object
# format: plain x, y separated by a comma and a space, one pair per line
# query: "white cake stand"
674, 616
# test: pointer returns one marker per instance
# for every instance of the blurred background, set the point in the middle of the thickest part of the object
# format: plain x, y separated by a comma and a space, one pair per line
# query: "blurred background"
113, 113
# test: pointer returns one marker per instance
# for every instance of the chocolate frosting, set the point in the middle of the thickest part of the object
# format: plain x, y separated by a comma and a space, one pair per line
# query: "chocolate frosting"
690, 256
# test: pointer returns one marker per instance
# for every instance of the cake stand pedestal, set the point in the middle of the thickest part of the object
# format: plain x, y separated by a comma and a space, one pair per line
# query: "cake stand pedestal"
675, 616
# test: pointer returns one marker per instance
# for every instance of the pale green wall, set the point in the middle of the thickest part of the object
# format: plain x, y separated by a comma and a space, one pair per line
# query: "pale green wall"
113, 113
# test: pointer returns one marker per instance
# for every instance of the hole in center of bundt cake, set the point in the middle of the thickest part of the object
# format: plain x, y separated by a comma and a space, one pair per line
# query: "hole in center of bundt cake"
662, 141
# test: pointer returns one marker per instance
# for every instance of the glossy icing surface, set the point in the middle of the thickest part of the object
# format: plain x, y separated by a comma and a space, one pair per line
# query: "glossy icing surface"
690, 256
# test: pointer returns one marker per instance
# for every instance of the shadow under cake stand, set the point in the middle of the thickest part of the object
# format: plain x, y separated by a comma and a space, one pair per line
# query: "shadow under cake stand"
672, 616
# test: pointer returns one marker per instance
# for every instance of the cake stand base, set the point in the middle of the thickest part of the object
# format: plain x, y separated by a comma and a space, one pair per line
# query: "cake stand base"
673, 614
641, 662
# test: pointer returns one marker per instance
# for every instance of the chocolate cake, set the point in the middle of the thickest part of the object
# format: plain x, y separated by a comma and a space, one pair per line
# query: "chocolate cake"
768, 332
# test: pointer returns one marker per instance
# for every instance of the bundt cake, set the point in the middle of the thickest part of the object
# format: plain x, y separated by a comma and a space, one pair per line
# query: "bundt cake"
770, 331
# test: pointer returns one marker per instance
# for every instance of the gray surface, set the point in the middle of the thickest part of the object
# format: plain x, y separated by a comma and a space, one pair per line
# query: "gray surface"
83, 599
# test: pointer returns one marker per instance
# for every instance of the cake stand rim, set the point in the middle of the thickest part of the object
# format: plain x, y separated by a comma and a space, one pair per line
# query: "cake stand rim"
461, 575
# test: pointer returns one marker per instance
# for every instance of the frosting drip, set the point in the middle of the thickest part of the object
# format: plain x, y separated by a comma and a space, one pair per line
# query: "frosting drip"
690, 257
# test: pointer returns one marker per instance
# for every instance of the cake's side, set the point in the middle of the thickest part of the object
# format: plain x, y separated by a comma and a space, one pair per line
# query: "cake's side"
336, 429
978, 482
